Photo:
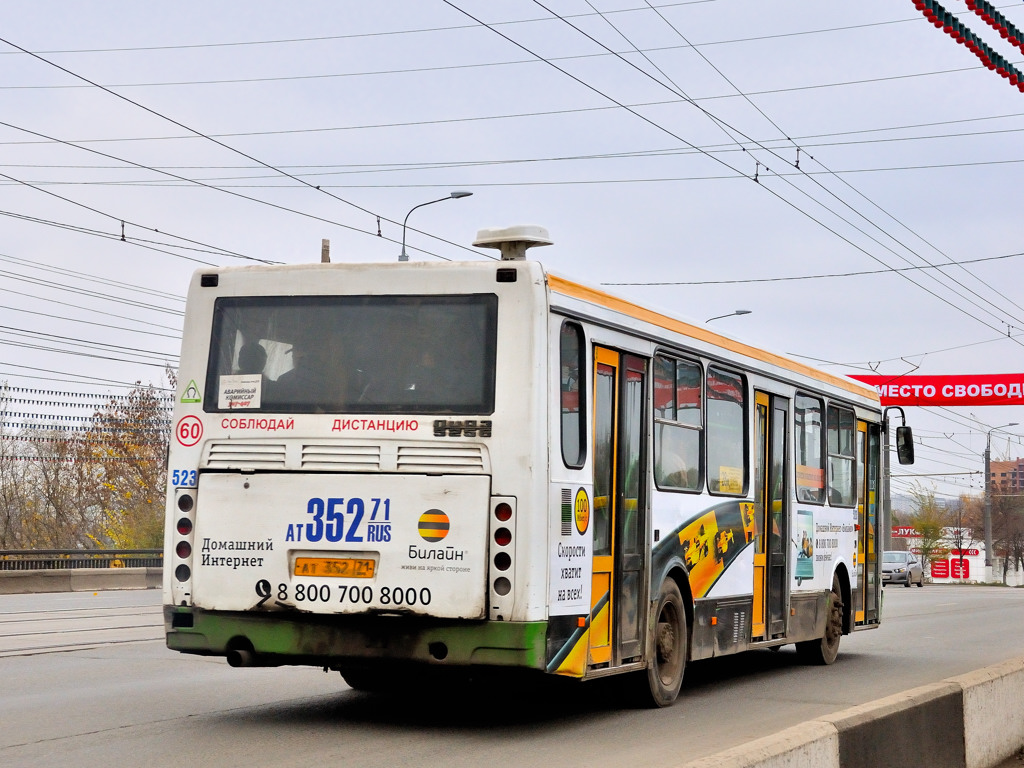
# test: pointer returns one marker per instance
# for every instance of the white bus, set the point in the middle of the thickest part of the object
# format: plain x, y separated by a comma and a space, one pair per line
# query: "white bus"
387, 469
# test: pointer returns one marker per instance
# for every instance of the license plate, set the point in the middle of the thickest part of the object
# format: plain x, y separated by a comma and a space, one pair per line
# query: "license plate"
335, 567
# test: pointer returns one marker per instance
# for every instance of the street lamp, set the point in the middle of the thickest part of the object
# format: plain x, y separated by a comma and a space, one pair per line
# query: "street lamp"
403, 256
988, 499
736, 312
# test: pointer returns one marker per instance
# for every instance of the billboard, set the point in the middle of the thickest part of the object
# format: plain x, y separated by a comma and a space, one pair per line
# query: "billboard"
970, 389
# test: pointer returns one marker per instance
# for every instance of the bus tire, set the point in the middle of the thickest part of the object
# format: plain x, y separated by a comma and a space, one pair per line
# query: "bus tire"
367, 681
825, 649
668, 647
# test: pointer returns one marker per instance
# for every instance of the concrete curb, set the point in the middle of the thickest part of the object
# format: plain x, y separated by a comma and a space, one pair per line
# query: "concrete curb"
813, 743
969, 721
79, 580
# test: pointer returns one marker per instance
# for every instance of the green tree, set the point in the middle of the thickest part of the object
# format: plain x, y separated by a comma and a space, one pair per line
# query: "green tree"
929, 520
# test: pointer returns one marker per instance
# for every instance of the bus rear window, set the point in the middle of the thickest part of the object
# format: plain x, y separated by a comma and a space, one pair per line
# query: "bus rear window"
353, 354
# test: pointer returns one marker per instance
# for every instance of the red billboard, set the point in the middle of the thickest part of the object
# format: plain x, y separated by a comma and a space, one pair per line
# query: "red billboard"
980, 389
940, 569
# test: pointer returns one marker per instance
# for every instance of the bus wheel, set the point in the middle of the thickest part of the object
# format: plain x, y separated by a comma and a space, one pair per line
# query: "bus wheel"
668, 647
367, 681
825, 650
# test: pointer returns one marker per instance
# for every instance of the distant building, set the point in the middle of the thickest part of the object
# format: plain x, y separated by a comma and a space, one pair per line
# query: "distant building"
955, 565
1005, 476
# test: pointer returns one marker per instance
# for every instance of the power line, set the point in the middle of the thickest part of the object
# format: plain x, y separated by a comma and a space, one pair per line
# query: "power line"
334, 169
106, 282
355, 36
676, 136
211, 187
77, 321
77, 354
677, 91
796, 278
66, 377
92, 294
64, 339
216, 141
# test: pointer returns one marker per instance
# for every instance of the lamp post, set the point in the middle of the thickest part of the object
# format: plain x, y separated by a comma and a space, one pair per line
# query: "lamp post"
988, 499
403, 256
736, 312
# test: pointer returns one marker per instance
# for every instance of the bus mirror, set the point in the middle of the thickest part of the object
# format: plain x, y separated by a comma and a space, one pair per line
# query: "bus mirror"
905, 445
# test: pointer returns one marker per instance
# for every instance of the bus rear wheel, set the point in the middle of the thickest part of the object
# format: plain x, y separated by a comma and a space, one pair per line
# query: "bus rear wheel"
826, 649
668, 647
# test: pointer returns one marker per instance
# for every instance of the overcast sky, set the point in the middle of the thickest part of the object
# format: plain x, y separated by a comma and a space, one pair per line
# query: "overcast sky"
699, 151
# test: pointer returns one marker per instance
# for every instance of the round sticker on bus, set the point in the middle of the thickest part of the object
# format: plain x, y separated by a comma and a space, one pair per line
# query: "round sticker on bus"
433, 525
582, 511
189, 430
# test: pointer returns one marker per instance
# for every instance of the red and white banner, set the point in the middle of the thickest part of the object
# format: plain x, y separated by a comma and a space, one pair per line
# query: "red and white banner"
981, 389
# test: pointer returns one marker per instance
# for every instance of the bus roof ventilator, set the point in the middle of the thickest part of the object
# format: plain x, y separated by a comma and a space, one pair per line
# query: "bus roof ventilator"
512, 241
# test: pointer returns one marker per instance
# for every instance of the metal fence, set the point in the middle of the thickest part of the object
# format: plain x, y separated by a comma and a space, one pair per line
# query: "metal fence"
59, 559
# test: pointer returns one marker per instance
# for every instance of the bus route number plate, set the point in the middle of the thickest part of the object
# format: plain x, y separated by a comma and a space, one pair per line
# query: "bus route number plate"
338, 567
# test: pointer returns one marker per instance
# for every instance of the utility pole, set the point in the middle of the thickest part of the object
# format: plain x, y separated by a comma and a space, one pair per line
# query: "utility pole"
988, 499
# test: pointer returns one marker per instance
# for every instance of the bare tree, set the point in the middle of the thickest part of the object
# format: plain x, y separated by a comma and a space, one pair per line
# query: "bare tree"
966, 519
1008, 529
100, 483
126, 447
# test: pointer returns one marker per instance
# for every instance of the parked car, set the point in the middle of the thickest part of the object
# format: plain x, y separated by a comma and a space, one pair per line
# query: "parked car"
902, 568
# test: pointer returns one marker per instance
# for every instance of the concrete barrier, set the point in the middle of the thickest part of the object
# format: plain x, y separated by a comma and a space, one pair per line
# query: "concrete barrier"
78, 580
969, 721
993, 715
813, 744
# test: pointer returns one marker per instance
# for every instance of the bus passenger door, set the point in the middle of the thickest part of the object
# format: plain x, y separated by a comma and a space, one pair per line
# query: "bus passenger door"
866, 597
619, 521
771, 511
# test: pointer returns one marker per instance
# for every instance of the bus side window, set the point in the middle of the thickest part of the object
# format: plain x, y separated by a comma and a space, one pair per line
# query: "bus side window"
572, 369
677, 424
841, 461
726, 433
810, 459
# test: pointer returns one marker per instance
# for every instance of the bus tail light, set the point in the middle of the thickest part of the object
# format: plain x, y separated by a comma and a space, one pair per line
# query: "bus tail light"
501, 570
184, 529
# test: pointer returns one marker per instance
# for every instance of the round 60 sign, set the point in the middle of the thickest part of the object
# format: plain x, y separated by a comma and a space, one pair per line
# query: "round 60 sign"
189, 430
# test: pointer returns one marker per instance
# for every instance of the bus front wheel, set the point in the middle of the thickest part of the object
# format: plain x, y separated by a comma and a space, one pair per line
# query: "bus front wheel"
668, 647
826, 649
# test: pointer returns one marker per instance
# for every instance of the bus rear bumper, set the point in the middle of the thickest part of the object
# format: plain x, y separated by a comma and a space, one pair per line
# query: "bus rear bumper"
272, 639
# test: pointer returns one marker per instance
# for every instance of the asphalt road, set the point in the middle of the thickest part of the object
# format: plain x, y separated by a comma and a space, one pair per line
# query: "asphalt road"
87, 681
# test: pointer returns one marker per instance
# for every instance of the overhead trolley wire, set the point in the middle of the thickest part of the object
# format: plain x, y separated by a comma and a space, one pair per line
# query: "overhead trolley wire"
229, 148
191, 182
77, 378
850, 186
106, 282
676, 91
